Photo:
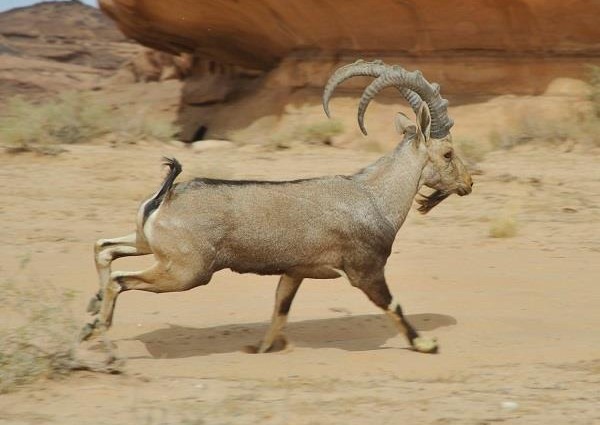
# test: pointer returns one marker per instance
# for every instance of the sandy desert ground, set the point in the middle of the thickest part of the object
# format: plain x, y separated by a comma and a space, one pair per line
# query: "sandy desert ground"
517, 318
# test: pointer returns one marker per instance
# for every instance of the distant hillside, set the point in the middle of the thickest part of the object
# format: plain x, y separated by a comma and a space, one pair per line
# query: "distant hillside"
55, 46
69, 32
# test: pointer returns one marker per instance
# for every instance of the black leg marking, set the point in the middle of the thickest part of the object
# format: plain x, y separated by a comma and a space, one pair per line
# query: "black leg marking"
411, 333
286, 303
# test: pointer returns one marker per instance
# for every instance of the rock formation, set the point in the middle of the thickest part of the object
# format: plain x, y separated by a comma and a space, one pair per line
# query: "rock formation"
474, 49
51, 47
259, 34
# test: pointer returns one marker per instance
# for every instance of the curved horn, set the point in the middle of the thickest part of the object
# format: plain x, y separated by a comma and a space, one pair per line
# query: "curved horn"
411, 85
372, 89
358, 68
364, 69
430, 93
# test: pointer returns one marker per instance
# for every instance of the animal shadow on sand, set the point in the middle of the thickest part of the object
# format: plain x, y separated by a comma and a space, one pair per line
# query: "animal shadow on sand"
351, 333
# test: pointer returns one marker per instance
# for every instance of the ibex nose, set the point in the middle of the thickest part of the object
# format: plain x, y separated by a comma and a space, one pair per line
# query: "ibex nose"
465, 189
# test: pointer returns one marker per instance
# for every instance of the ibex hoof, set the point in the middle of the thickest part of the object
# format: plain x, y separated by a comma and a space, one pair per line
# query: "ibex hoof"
94, 305
425, 345
280, 343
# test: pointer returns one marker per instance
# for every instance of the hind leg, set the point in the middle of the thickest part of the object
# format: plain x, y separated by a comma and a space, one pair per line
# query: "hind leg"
158, 278
108, 250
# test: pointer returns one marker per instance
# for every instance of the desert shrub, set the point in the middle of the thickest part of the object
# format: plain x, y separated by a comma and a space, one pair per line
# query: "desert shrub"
593, 77
72, 117
503, 226
36, 334
141, 126
319, 132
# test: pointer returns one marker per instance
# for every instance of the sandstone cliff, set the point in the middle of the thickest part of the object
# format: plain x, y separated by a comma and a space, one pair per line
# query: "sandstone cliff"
283, 51
258, 34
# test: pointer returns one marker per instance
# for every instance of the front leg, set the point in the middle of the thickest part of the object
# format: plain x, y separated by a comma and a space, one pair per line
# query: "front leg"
376, 288
286, 290
418, 343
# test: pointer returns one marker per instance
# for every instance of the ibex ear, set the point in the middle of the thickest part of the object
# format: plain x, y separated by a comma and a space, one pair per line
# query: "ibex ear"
404, 124
424, 121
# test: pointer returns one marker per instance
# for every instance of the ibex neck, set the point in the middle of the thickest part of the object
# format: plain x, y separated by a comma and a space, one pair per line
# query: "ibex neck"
394, 180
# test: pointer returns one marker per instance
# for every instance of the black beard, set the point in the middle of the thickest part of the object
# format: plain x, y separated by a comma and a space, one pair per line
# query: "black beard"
427, 202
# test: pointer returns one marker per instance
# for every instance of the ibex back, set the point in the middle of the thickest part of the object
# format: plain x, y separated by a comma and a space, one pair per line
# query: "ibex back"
312, 228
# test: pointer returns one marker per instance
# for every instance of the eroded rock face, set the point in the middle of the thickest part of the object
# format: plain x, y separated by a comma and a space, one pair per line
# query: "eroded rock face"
258, 34
255, 58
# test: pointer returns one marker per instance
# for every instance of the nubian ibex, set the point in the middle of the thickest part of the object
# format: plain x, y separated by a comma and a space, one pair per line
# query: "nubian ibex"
317, 228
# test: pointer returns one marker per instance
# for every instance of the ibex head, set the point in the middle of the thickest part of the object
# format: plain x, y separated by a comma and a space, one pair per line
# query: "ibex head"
444, 171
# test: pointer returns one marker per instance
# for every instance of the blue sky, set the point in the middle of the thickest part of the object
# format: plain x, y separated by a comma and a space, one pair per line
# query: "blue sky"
10, 4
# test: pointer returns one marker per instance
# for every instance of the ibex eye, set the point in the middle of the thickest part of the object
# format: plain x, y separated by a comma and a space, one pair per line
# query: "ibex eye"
448, 155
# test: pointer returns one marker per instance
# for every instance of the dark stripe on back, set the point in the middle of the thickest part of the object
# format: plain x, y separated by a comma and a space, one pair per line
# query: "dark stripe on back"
218, 182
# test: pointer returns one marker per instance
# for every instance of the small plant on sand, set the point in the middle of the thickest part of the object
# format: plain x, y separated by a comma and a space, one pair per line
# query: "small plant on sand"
38, 334
72, 117
503, 226
593, 77
142, 127
320, 132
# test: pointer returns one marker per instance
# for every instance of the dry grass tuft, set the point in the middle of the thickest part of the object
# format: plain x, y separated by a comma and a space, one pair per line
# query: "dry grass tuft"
503, 226
320, 132
72, 118
593, 77
143, 127
38, 334
314, 133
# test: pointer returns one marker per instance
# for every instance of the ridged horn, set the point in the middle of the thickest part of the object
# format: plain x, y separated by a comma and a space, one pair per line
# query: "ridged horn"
412, 85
